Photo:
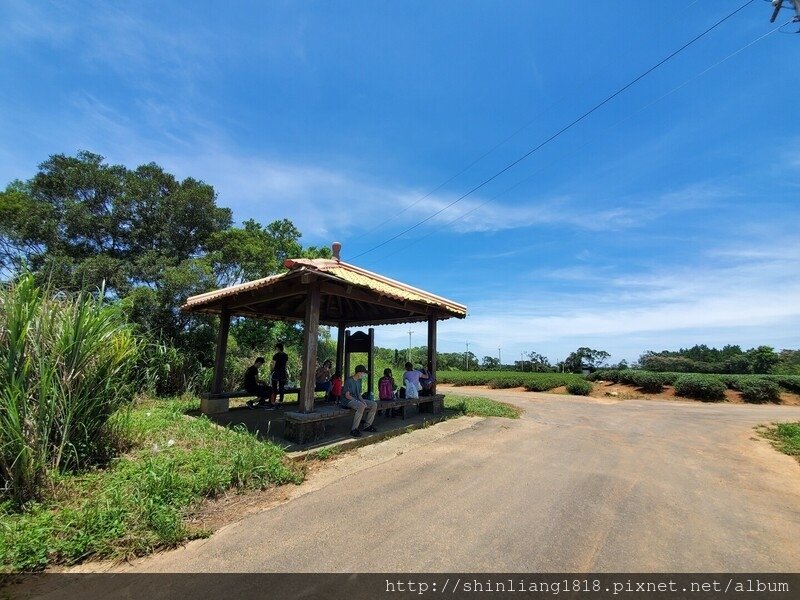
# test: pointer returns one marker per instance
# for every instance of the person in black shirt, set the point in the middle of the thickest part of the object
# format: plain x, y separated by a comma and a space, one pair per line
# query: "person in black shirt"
280, 373
255, 386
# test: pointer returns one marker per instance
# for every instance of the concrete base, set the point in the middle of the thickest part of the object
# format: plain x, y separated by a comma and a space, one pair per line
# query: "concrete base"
213, 406
436, 406
304, 432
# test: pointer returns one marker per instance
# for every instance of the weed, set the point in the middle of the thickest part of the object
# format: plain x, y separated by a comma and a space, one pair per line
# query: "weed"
328, 452
784, 436
139, 503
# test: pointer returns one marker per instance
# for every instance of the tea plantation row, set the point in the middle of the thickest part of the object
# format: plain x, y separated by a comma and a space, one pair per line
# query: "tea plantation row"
710, 388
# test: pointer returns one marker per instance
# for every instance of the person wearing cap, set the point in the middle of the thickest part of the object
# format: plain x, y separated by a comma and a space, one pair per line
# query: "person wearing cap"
352, 399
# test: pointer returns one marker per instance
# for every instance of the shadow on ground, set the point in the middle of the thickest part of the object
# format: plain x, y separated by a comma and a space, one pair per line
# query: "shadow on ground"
269, 425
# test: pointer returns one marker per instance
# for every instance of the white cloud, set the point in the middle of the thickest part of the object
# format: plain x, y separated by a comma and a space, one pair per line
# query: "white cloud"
750, 299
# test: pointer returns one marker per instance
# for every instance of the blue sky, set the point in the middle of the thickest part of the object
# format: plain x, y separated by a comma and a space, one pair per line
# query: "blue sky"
667, 218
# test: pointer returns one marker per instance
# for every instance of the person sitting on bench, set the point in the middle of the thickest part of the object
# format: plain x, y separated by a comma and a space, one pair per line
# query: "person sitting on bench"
257, 387
352, 399
323, 378
411, 381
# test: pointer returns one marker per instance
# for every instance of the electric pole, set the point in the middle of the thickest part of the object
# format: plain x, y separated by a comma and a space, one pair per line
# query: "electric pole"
466, 357
408, 357
499, 359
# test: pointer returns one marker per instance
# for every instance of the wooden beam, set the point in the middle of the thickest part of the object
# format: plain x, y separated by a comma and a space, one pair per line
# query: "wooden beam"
308, 383
222, 349
373, 298
371, 361
346, 372
341, 326
432, 349
255, 299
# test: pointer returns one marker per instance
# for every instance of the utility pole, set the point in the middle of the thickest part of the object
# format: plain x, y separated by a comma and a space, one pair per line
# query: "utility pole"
408, 357
466, 357
522, 360
499, 359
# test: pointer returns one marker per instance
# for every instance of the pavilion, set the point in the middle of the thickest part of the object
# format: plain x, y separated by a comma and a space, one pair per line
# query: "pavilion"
321, 292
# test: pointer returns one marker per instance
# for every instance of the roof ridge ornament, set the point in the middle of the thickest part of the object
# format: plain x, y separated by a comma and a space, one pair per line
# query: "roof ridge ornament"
336, 249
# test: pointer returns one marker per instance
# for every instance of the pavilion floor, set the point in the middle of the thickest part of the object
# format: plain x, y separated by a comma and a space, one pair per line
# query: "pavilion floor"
269, 424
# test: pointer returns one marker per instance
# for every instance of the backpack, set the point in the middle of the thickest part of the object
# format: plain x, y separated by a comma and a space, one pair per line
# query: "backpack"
385, 391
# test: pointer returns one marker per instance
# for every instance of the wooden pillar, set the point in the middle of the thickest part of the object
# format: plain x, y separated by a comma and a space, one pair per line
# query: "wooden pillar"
346, 372
222, 349
340, 347
308, 382
432, 349
371, 361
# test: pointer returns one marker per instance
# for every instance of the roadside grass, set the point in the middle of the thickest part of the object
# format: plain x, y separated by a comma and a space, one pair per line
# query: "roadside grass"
785, 437
481, 407
329, 452
139, 502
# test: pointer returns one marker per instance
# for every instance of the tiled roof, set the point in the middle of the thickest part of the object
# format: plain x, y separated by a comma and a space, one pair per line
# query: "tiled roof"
337, 270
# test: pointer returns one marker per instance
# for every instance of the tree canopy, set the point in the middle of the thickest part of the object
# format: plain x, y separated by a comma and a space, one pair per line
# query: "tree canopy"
146, 238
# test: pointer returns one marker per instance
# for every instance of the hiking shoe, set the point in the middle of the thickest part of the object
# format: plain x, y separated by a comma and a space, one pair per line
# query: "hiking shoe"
371, 429
355, 433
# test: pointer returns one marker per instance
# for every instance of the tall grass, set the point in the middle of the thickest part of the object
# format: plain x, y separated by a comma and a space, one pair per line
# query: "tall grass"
65, 367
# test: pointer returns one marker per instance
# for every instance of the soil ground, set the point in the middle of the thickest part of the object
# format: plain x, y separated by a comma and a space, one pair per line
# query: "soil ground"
606, 389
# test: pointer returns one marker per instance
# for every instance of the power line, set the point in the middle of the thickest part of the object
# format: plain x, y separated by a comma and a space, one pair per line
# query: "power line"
611, 127
502, 142
564, 129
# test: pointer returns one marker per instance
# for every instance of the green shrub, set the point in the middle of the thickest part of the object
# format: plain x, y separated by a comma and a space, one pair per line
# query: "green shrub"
651, 383
579, 388
66, 364
759, 391
701, 387
166, 371
533, 382
506, 382
791, 383
611, 375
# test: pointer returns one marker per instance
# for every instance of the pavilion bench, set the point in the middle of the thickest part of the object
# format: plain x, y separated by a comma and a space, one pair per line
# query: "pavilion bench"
302, 428
220, 403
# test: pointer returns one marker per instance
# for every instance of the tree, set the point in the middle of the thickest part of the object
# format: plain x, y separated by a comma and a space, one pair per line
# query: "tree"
147, 239
490, 363
539, 362
585, 358
762, 359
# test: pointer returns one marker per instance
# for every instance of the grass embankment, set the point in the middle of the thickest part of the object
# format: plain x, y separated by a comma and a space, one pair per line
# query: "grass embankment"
785, 437
139, 502
533, 382
481, 407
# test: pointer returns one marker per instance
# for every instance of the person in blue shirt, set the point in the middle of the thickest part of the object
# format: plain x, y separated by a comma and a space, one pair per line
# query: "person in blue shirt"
351, 398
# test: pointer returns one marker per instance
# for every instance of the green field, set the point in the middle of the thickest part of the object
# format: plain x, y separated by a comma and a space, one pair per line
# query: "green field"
789, 383
533, 382
701, 386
